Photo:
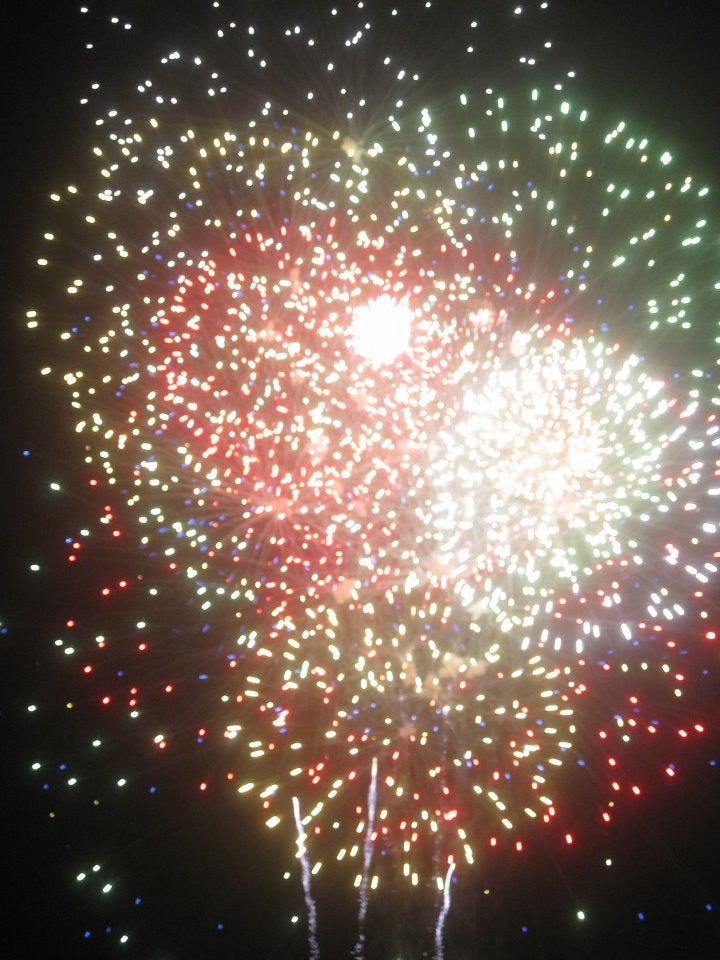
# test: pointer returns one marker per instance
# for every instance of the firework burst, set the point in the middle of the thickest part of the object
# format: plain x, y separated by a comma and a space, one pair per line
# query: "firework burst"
387, 389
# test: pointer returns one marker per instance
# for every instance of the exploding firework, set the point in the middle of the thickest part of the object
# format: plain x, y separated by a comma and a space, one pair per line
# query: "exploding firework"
385, 382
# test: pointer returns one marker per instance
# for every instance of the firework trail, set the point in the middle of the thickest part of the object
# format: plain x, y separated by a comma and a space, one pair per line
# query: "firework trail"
446, 892
309, 901
367, 860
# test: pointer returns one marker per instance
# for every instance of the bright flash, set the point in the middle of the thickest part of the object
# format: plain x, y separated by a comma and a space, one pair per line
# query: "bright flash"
380, 331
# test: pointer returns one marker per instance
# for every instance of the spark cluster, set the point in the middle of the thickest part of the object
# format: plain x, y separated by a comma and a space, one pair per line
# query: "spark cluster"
385, 379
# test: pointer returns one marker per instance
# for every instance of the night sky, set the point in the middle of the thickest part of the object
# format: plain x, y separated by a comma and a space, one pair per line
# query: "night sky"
200, 877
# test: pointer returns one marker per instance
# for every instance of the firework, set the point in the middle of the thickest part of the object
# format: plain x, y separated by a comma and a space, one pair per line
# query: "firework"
384, 383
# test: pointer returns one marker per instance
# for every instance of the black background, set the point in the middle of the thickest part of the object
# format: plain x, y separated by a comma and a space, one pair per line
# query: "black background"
652, 62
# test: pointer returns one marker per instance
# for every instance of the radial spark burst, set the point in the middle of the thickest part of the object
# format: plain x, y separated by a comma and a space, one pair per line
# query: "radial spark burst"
554, 449
385, 378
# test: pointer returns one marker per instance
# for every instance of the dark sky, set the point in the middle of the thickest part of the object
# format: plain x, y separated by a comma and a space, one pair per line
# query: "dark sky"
202, 867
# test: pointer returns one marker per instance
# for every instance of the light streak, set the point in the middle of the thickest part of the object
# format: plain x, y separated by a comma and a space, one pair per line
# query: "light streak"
310, 904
